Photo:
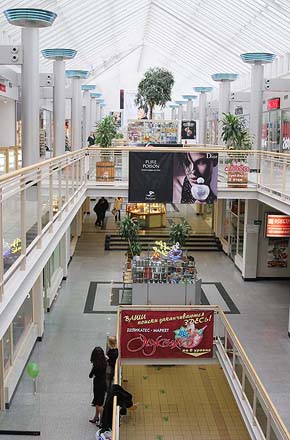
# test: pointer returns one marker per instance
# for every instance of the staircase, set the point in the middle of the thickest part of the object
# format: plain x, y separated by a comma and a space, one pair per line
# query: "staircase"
194, 243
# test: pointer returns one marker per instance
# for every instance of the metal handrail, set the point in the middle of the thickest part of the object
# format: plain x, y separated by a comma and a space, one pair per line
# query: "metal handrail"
236, 343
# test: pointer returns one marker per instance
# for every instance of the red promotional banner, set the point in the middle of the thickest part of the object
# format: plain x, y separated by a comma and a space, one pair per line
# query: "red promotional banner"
166, 334
277, 225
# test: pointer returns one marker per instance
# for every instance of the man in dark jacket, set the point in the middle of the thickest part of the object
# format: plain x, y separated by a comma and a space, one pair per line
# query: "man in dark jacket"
100, 210
124, 400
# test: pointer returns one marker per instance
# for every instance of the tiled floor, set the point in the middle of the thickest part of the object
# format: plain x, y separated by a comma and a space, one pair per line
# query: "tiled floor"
180, 402
62, 408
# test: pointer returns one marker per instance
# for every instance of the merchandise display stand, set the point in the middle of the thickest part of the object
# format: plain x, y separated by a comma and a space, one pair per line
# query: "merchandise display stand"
164, 281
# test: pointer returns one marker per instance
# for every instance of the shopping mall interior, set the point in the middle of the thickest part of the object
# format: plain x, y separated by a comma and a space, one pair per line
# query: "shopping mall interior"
144, 220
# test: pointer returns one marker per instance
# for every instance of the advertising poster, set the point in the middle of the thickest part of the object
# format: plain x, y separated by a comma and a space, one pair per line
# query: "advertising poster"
173, 177
277, 225
188, 130
277, 252
237, 171
150, 177
166, 334
117, 118
195, 178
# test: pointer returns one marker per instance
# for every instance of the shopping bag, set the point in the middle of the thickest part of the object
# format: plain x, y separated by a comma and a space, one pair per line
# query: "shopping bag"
114, 211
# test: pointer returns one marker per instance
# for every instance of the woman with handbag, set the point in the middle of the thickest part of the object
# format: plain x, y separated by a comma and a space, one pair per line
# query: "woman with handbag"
117, 208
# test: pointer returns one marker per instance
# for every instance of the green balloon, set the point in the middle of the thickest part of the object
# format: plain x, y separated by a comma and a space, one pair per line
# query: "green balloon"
32, 370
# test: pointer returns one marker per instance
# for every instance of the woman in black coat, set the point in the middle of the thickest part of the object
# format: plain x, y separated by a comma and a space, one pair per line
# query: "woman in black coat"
98, 372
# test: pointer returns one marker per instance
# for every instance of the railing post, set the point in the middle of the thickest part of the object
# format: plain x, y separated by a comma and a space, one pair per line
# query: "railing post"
268, 431
254, 405
243, 382
59, 189
73, 178
234, 361
1, 246
284, 176
51, 197
39, 207
67, 171
271, 174
23, 222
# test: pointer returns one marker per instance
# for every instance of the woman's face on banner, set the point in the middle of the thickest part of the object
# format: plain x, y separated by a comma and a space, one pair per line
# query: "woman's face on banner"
196, 167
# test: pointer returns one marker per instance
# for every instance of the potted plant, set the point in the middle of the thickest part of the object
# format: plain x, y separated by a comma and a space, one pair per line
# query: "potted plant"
236, 137
179, 232
106, 130
154, 89
128, 230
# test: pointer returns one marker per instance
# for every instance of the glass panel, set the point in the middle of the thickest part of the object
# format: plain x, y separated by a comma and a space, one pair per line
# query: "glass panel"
7, 351
249, 391
31, 213
285, 131
261, 417
273, 435
45, 197
22, 322
274, 130
11, 231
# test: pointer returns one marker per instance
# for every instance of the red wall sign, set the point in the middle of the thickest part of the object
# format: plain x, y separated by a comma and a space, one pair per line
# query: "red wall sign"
273, 104
2, 88
277, 225
166, 334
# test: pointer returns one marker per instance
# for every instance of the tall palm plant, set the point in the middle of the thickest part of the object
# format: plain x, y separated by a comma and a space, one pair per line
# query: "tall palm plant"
234, 132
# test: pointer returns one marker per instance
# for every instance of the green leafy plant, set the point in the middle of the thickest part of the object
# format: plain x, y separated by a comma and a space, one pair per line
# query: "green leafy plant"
234, 132
154, 89
179, 232
106, 131
128, 229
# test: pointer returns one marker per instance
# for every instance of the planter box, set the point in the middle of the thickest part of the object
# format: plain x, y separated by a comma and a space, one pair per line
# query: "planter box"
105, 171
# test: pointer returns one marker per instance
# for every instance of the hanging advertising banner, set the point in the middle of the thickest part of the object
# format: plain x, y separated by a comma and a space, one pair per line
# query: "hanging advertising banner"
188, 130
159, 334
173, 177
237, 171
117, 115
150, 177
277, 225
277, 252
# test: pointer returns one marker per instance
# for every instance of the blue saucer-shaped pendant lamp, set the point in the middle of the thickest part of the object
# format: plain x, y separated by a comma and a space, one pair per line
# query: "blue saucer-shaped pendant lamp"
82, 74
59, 53
30, 17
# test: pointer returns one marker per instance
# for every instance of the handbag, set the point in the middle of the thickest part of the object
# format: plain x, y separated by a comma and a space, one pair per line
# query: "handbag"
114, 211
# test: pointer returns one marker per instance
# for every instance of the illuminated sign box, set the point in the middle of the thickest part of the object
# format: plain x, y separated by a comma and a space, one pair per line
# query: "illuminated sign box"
277, 225
273, 104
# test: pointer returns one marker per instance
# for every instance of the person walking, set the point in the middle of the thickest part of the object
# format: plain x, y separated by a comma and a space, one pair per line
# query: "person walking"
112, 356
91, 140
117, 207
100, 209
98, 374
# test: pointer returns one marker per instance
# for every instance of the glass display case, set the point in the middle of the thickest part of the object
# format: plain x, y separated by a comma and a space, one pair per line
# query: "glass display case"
149, 215
142, 131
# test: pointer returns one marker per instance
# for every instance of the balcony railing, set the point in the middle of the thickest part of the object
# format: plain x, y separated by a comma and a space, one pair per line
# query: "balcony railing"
33, 198
258, 411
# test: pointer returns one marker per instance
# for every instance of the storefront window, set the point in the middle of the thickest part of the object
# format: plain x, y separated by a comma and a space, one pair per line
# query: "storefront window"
7, 350
271, 130
286, 131
241, 228
22, 322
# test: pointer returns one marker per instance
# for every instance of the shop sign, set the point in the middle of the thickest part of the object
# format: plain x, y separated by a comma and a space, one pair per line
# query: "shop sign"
237, 172
286, 143
188, 130
159, 334
273, 104
2, 87
277, 225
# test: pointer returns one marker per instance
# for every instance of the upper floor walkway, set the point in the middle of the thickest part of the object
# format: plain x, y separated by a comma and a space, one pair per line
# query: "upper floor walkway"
38, 202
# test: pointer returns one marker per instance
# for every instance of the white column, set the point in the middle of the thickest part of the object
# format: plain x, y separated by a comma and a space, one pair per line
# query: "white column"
256, 104
98, 111
173, 113
30, 96
76, 107
180, 112
87, 121
202, 118
189, 109
251, 240
101, 112
224, 98
59, 107
93, 114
